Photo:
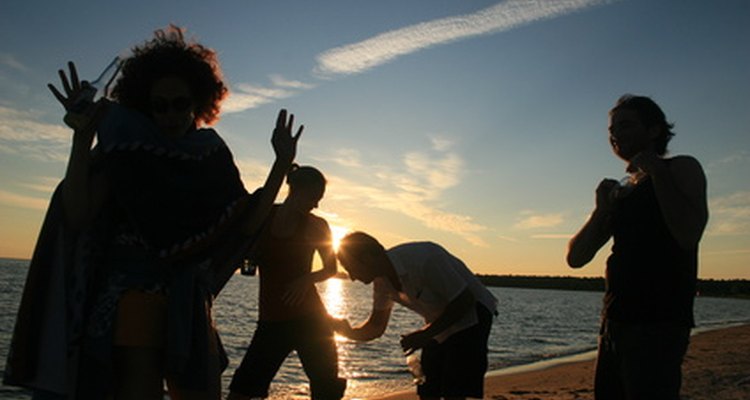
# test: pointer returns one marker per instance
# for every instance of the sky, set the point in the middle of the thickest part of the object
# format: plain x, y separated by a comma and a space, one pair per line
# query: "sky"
479, 125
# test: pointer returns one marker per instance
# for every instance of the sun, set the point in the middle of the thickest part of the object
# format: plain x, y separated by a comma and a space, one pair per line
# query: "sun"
337, 233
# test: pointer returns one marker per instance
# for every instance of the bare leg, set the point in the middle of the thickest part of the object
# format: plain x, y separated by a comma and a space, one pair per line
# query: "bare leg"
138, 373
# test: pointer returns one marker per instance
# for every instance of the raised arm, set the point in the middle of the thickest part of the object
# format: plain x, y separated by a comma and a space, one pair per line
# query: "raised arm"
285, 147
596, 231
680, 187
83, 192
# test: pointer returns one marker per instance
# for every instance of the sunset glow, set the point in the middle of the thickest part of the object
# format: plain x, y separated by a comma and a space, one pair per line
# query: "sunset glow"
449, 122
338, 233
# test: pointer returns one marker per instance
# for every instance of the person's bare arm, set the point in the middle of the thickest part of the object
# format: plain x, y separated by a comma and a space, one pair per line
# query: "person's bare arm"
680, 187
83, 192
596, 231
371, 329
455, 310
285, 147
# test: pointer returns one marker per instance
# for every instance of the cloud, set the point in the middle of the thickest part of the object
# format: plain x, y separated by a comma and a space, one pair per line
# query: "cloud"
21, 134
361, 56
280, 81
246, 96
729, 215
20, 201
508, 238
253, 173
432, 174
411, 188
530, 220
10, 61
733, 161
553, 236
348, 158
367, 54
45, 185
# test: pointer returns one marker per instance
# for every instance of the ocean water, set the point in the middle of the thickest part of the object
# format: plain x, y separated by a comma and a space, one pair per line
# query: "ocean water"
533, 325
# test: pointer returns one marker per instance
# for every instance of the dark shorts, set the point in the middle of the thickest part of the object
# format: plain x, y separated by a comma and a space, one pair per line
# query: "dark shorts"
272, 342
456, 367
640, 361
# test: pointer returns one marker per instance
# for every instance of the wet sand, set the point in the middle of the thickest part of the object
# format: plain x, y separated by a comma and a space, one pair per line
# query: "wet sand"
717, 367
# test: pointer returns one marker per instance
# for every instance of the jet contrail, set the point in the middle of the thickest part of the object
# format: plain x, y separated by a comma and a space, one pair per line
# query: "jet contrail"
359, 57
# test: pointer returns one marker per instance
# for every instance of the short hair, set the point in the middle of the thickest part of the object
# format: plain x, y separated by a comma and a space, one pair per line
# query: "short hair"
650, 115
306, 177
169, 54
358, 244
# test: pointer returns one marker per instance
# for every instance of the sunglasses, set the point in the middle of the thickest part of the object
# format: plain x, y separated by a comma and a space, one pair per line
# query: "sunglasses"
161, 105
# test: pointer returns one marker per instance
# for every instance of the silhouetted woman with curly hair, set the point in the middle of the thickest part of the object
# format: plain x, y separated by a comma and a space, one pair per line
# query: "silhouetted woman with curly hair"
141, 235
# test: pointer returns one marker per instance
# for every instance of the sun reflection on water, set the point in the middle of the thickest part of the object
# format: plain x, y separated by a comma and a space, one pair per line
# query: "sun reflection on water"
333, 297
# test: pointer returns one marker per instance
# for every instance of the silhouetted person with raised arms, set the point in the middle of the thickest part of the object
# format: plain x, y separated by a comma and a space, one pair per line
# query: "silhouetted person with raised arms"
140, 235
291, 314
656, 218
457, 308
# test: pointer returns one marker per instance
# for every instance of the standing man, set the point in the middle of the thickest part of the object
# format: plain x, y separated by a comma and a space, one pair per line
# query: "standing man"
656, 220
457, 309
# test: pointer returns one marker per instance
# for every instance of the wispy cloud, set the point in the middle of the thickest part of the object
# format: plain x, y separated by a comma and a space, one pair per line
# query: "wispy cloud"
348, 158
21, 201
21, 134
280, 81
412, 188
385, 47
532, 220
246, 96
553, 236
10, 61
506, 238
730, 215
380, 49
44, 185
731, 160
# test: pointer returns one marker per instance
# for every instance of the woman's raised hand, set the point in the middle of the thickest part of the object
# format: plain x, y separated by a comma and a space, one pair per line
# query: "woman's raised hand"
79, 119
283, 142
73, 87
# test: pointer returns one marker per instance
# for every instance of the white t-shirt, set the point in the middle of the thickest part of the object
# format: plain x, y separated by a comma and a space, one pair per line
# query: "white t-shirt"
430, 279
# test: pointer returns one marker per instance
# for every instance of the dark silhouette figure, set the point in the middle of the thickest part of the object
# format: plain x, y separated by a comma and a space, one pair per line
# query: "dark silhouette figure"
656, 217
427, 279
141, 235
292, 315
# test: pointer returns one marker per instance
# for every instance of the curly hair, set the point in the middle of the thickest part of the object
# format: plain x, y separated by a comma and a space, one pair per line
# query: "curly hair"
169, 54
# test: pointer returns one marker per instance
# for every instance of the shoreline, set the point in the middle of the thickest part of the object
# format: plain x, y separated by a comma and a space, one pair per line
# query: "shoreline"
711, 370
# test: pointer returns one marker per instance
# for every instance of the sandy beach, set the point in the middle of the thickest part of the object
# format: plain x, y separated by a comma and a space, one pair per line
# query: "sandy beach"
717, 367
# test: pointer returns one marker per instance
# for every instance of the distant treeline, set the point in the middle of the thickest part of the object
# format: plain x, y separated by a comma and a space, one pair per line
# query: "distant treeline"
706, 287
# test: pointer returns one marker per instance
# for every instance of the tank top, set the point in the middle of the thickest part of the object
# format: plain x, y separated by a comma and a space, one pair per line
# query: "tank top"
280, 261
650, 278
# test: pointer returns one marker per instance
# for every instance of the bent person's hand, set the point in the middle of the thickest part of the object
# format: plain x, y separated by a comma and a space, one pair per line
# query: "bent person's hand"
414, 341
340, 325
